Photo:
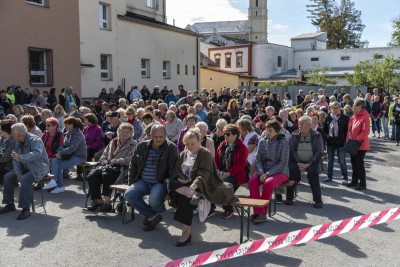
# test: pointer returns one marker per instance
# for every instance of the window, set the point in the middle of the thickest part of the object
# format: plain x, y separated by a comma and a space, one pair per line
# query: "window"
178, 69
145, 68
166, 66
104, 17
239, 60
378, 56
40, 67
345, 58
36, 2
194, 70
314, 59
228, 60
218, 59
152, 4
256, 3
105, 67
279, 61
186, 70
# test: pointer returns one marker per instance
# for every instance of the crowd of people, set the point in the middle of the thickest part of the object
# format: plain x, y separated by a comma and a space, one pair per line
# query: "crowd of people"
197, 147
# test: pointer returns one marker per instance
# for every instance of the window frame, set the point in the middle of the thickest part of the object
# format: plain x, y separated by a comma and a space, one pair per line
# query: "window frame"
47, 71
279, 62
166, 70
153, 5
178, 69
32, 2
194, 70
239, 55
145, 69
108, 71
228, 56
315, 59
186, 70
107, 20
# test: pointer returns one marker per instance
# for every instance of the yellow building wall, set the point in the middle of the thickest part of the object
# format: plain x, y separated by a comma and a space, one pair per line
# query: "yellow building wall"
217, 80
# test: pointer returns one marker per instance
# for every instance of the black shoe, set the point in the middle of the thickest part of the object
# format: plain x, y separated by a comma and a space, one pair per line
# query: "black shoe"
106, 208
37, 187
25, 213
93, 208
327, 180
359, 188
7, 208
146, 221
351, 185
152, 224
318, 205
289, 202
279, 199
79, 178
184, 243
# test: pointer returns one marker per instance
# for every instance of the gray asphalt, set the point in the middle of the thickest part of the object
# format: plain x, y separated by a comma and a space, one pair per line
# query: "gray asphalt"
67, 237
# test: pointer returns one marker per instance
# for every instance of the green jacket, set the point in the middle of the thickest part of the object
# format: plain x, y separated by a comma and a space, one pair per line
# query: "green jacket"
391, 108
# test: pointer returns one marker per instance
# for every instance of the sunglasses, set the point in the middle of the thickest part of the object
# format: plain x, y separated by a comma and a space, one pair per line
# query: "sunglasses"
227, 134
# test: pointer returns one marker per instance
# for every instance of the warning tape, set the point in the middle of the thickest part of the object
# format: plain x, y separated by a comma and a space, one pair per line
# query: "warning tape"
288, 239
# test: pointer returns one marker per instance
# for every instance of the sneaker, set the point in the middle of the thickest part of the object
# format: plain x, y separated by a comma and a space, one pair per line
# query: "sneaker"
50, 185
211, 214
57, 190
318, 205
227, 214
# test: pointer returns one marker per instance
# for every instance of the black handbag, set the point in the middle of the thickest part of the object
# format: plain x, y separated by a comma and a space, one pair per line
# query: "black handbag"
112, 169
352, 147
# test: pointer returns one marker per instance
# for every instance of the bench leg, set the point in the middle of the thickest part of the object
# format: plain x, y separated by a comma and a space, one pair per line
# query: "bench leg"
43, 202
272, 205
84, 181
243, 212
33, 202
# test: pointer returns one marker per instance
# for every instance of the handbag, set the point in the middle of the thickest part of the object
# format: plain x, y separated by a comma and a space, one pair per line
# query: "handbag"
352, 147
111, 169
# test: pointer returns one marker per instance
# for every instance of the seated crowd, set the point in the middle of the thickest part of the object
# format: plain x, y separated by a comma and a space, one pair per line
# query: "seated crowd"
197, 147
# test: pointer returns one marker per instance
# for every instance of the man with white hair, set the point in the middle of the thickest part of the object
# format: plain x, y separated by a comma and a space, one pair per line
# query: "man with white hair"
30, 164
306, 150
200, 111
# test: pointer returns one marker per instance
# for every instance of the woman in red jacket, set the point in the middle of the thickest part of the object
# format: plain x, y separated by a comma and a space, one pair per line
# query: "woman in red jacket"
359, 127
231, 160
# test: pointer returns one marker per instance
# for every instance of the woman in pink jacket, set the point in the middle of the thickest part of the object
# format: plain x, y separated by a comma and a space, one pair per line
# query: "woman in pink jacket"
359, 127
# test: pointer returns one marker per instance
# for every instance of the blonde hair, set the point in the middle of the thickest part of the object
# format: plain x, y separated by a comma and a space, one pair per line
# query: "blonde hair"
192, 134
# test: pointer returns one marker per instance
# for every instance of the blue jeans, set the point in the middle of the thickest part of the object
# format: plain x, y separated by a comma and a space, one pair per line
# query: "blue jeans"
25, 192
393, 136
58, 165
376, 125
231, 180
134, 196
342, 161
385, 126
397, 133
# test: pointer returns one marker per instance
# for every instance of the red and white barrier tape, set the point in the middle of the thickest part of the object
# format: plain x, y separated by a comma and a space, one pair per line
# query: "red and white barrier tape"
288, 239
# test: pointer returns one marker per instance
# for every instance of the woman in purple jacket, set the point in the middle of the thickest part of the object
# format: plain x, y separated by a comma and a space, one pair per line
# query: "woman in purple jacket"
93, 136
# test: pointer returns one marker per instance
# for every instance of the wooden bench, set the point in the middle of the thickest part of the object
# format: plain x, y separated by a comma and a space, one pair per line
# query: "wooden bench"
86, 166
41, 183
121, 188
243, 206
272, 203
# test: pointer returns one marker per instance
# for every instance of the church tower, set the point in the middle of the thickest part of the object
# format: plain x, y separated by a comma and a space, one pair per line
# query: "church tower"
258, 20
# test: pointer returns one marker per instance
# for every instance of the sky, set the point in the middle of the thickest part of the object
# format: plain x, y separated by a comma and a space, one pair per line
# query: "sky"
286, 18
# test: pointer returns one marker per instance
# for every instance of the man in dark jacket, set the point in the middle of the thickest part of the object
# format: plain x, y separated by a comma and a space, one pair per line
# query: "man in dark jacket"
306, 150
153, 162
335, 128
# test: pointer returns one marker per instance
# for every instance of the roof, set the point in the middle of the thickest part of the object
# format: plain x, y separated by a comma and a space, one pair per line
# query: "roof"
209, 61
237, 26
310, 35
129, 16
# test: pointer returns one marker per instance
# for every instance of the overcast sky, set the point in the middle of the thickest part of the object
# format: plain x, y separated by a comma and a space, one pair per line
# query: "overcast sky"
287, 18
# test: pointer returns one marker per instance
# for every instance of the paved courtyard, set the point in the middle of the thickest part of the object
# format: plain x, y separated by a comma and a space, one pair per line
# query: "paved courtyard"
68, 237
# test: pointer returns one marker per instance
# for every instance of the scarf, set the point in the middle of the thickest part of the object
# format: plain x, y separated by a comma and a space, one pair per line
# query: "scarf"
334, 126
227, 155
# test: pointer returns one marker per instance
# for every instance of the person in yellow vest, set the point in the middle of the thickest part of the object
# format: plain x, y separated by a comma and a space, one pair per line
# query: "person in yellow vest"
10, 94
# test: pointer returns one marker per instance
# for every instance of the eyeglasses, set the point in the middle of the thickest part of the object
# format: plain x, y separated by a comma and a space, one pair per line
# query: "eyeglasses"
49, 125
227, 134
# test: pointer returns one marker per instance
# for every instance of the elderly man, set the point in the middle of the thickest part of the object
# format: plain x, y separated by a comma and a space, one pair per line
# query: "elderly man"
174, 127
30, 164
153, 162
306, 150
200, 111
335, 128
212, 117
46, 113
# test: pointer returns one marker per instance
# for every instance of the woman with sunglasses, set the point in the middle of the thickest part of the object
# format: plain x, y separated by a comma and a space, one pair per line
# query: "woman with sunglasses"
231, 159
52, 138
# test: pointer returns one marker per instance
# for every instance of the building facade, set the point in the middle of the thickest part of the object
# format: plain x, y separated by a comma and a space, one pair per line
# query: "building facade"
127, 43
35, 53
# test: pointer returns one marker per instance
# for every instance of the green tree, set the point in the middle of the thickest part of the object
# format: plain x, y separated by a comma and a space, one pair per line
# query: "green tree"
395, 41
342, 22
381, 73
319, 76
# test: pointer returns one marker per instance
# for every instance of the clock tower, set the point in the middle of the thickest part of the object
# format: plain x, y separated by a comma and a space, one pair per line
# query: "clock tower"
258, 20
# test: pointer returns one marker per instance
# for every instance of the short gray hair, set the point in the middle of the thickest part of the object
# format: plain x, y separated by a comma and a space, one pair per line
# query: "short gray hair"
334, 104
171, 114
157, 127
270, 108
359, 102
19, 127
306, 119
221, 122
202, 126
47, 112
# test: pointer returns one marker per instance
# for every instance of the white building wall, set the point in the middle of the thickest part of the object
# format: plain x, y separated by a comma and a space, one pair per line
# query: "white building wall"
265, 59
338, 58
140, 7
233, 51
128, 43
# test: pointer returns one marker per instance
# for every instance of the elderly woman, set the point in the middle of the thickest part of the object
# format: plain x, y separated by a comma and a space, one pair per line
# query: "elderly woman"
191, 121
173, 126
7, 144
218, 136
205, 141
113, 166
231, 160
359, 130
92, 131
131, 118
74, 111
271, 167
195, 172
52, 138
72, 152
249, 138
30, 125
18, 111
